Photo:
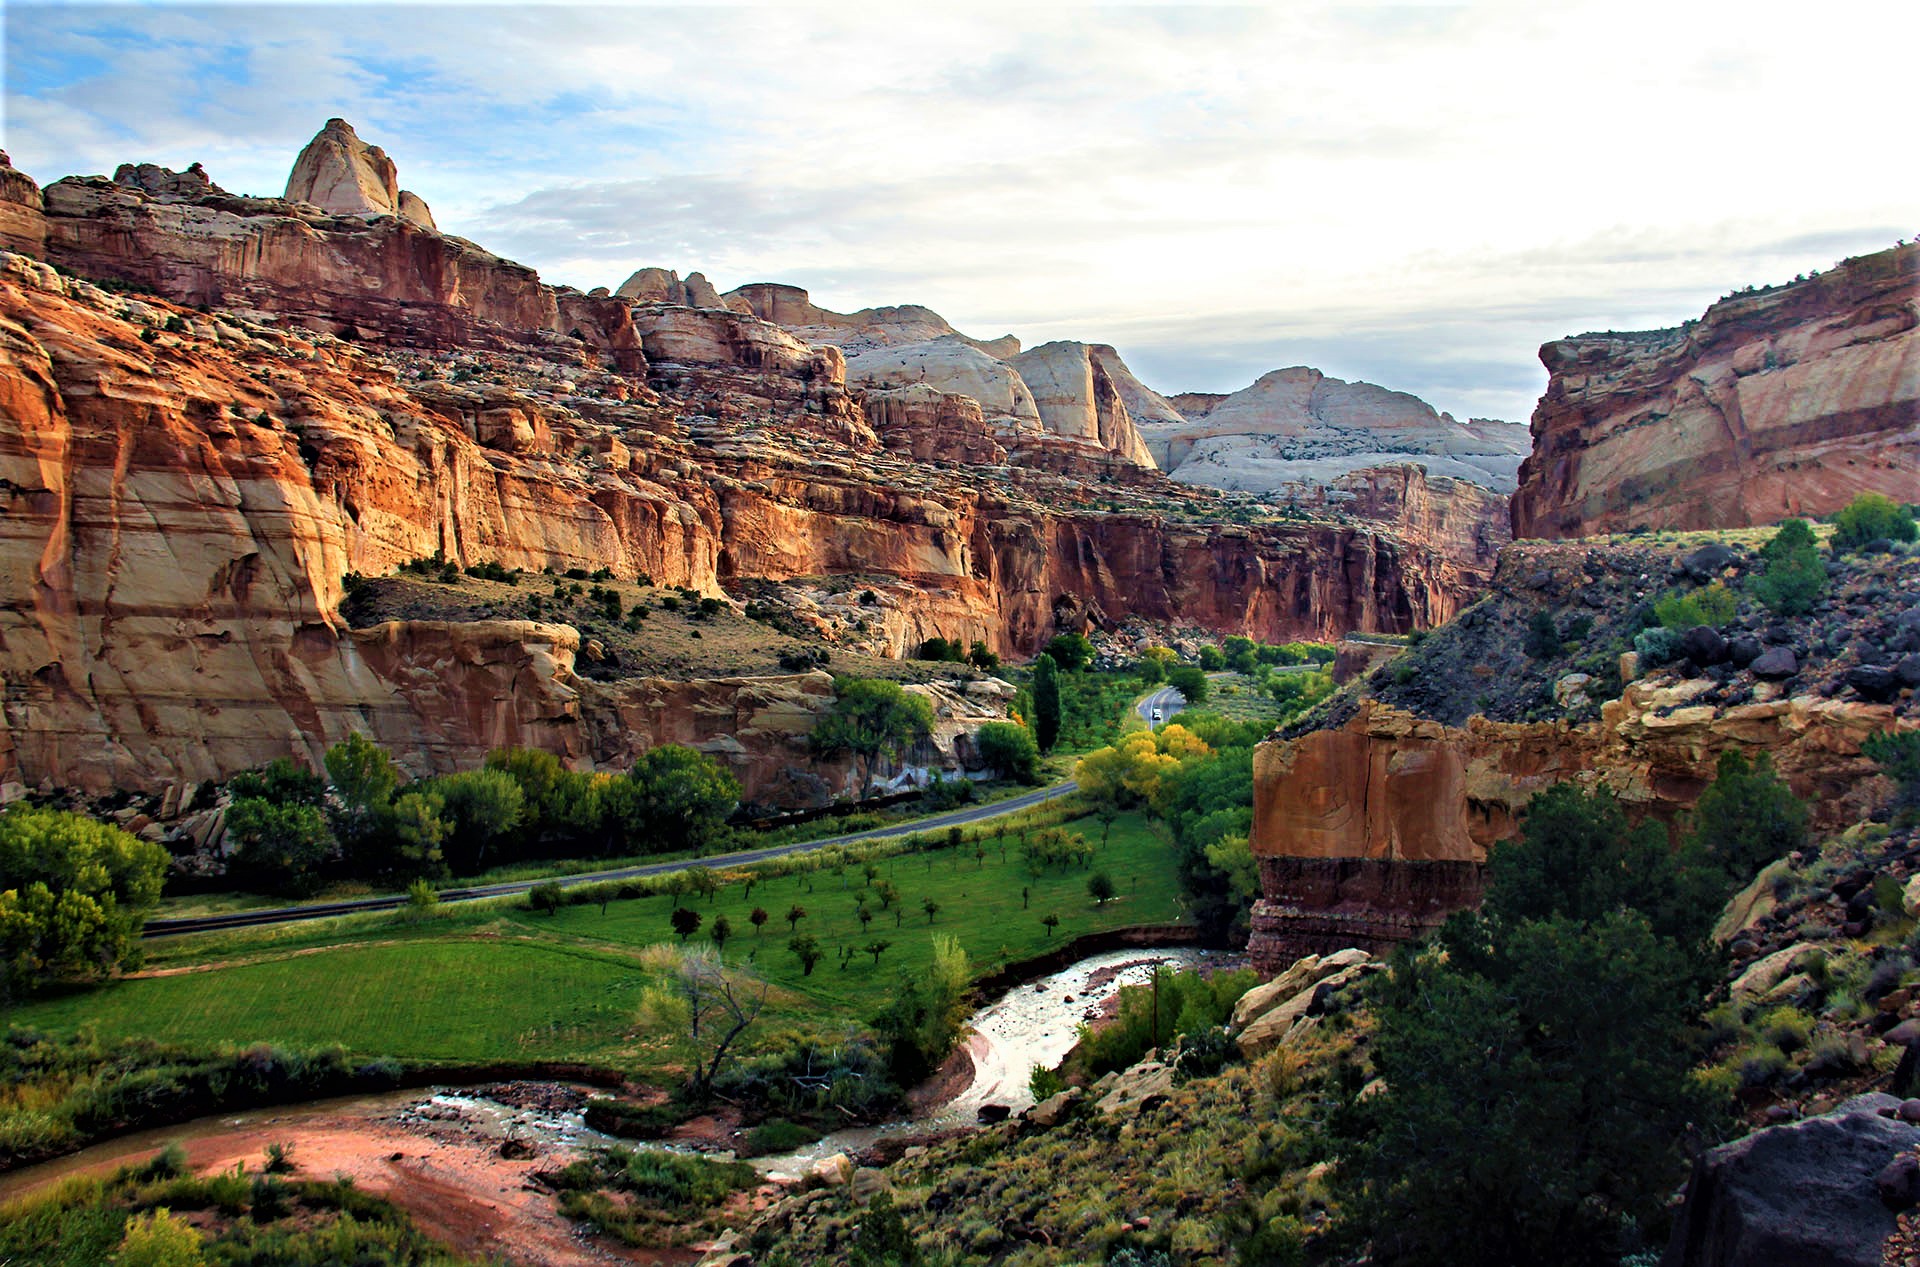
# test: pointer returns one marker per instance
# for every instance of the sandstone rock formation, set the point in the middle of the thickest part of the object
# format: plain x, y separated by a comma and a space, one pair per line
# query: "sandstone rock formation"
791, 306
1374, 832
344, 176
385, 278
1298, 427
1077, 389
1786, 401
300, 395
23, 226
663, 286
951, 364
189, 490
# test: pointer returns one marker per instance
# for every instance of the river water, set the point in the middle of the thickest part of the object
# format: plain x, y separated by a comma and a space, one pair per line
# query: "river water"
1034, 1023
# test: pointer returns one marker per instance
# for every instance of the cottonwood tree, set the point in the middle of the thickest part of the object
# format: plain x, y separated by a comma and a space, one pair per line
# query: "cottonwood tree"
73, 894
871, 719
716, 1006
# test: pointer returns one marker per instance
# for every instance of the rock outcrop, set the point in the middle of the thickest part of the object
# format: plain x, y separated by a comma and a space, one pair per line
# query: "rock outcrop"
1077, 389
952, 364
1298, 427
23, 224
344, 176
1786, 401
1374, 832
663, 286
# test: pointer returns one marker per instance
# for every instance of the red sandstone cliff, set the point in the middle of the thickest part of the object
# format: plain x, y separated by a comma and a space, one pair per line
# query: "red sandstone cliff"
1788, 401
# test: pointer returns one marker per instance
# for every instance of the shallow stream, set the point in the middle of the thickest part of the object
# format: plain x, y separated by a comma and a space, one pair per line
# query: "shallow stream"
1029, 1024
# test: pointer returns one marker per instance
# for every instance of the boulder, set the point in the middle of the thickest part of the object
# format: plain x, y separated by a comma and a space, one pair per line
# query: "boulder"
1708, 562
1907, 672
1776, 664
1794, 1195
1131, 1089
835, 1171
1306, 971
1703, 645
1873, 682
1053, 1110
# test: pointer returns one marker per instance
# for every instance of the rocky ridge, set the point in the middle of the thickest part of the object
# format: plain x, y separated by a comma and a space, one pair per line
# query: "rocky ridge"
1785, 401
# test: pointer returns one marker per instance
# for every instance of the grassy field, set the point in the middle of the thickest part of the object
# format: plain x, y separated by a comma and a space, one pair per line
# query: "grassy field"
502, 983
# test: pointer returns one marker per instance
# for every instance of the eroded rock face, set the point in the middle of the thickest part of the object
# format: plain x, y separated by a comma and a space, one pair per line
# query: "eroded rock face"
663, 286
1077, 389
1788, 401
385, 278
186, 492
343, 175
951, 364
932, 425
23, 225
1296, 426
1373, 832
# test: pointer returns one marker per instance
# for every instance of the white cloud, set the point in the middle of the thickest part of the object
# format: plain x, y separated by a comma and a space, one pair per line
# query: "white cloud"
1420, 194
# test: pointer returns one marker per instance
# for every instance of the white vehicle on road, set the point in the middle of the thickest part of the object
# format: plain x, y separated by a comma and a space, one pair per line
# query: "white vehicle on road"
1156, 717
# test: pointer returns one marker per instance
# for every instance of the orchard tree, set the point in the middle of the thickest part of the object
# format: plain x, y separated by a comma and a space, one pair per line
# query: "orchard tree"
806, 948
686, 921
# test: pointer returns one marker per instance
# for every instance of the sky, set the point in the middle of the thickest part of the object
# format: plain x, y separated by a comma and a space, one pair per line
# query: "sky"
1414, 195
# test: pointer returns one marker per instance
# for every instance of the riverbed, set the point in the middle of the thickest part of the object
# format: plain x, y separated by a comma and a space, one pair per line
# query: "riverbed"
438, 1154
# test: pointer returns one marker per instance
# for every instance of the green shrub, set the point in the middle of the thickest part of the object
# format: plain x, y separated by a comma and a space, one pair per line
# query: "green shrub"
1713, 604
1872, 517
778, 1135
1657, 646
1795, 577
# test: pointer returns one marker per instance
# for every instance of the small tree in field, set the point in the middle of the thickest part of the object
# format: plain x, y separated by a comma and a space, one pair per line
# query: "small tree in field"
1100, 888
931, 907
686, 921
876, 949
1052, 922
806, 948
758, 919
721, 930
795, 914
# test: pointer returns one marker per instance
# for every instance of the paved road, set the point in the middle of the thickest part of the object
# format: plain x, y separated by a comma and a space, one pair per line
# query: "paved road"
323, 910
1167, 699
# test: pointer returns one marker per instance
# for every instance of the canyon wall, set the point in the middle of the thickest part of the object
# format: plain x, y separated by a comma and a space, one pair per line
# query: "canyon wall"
1786, 401
187, 491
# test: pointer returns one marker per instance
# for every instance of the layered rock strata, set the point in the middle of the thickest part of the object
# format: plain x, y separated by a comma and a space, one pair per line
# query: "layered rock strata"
23, 222
384, 278
1786, 401
189, 489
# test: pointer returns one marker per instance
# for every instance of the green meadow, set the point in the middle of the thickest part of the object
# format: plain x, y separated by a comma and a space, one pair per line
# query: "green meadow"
505, 983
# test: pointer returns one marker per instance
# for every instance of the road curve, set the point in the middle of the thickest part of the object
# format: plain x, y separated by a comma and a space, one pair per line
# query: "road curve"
1167, 699
324, 910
